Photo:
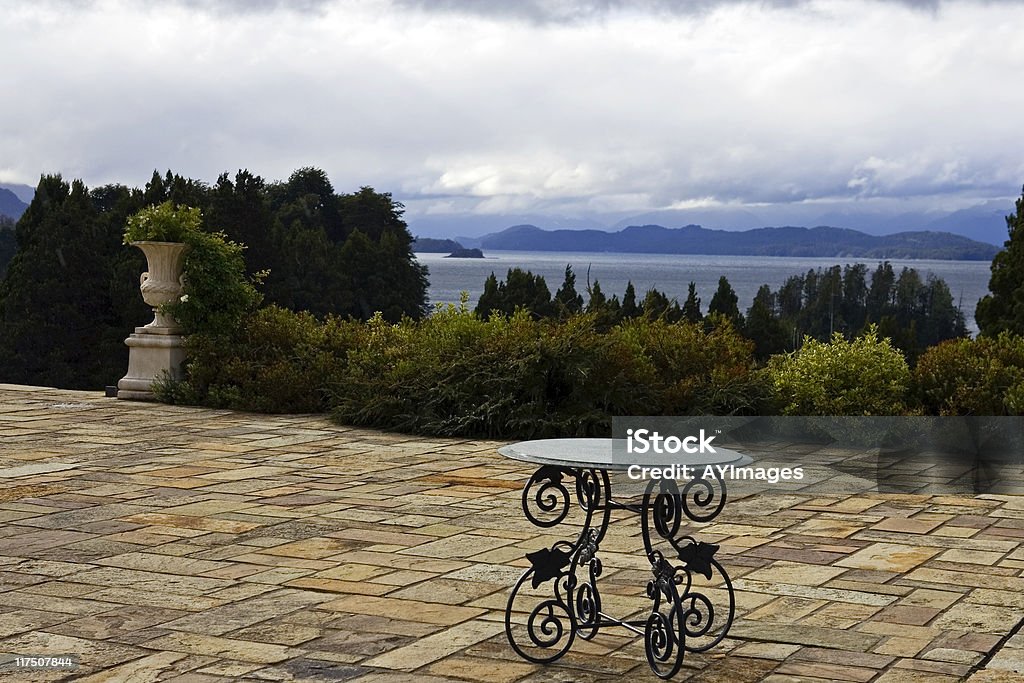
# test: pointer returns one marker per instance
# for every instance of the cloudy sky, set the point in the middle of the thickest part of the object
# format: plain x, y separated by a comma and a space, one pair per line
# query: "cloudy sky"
564, 108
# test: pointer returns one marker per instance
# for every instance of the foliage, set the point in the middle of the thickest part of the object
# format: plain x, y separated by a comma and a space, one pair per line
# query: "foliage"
276, 361
725, 302
763, 326
520, 289
8, 243
689, 370
983, 376
63, 312
914, 313
162, 223
70, 295
348, 254
691, 307
567, 300
1003, 309
217, 294
658, 306
520, 377
866, 376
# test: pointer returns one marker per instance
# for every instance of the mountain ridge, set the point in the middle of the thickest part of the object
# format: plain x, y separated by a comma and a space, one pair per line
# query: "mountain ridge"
10, 205
819, 241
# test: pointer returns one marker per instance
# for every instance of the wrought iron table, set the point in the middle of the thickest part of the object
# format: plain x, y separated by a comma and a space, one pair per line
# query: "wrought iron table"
692, 599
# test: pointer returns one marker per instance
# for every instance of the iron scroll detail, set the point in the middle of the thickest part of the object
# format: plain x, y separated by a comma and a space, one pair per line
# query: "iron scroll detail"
557, 598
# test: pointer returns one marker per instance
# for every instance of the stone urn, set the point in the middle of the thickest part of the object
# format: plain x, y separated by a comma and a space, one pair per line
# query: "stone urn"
163, 282
156, 350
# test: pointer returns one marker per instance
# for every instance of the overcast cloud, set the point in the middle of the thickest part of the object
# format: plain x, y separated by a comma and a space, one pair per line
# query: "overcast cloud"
598, 108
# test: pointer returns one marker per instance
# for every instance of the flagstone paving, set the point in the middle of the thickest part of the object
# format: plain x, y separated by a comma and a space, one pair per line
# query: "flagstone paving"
160, 543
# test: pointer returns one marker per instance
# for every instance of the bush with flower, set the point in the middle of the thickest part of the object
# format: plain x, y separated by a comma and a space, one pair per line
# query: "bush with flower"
217, 293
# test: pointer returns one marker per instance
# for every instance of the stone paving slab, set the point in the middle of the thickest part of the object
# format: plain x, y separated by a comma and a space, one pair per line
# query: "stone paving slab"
161, 543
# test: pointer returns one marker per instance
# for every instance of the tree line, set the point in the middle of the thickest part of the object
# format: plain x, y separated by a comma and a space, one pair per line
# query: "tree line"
915, 312
70, 294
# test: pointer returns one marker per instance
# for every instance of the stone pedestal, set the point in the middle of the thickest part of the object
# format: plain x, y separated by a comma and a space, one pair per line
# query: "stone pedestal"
154, 353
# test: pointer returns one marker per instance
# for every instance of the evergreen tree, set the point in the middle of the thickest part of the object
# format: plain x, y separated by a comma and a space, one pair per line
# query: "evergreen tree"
8, 243
763, 326
691, 307
853, 302
726, 303
313, 267
597, 300
629, 306
790, 297
55, 307
605, 311
525, 290
490, 300
241, 209
520, 289
657, 305
1003, 309
567, 300
881, 292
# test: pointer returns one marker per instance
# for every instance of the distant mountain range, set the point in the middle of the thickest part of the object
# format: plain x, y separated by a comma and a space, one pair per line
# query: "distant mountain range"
10, 204
984, 221
786, 241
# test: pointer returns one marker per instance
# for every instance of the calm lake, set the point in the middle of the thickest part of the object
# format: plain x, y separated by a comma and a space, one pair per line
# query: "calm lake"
672, 273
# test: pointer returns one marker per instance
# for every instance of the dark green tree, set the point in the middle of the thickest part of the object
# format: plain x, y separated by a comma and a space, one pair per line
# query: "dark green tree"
567, 300
55, 300
726, 303
241, 209
596, 301
657, 305
1003, 308
606, 311
8, 243
763, 326
520, 289
691, 307
853, 299
630, 309
881, 293
490, 300
309, 251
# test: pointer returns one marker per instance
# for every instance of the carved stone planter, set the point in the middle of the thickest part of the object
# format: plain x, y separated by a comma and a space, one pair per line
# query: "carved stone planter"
155, 350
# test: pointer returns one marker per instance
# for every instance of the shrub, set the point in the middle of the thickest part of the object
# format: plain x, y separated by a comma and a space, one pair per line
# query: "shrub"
866, 376
162, 223
459, 375
277, 361
983, 376
456, 374
218, 295
692, 369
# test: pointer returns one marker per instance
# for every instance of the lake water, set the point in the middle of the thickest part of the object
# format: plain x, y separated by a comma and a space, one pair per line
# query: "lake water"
672, 273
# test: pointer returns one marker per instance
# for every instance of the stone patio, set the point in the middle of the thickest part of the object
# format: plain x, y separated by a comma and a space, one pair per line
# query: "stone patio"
160, 543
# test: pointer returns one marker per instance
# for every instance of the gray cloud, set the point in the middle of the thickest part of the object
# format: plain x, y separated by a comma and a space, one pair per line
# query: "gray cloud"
464, 109
567, 11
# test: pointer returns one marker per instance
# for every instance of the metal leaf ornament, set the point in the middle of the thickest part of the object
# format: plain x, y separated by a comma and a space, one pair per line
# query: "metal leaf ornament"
547, 564
550, 473
698, 556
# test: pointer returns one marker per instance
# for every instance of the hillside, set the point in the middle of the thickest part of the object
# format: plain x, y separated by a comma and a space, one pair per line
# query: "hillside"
431, 245
785, 241
10, 205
